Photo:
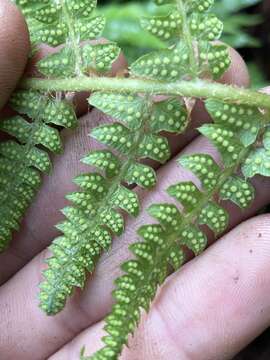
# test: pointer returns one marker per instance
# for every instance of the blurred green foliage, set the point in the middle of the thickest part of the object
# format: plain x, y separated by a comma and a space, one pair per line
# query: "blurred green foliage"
237, 22
257, 76
123, 24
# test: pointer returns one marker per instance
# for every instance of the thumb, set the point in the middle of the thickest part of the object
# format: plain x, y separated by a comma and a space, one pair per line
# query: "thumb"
14, 48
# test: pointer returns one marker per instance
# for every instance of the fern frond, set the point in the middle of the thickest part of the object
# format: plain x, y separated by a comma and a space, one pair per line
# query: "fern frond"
94, 216
164, 243
22, 160
136, 136
96, 213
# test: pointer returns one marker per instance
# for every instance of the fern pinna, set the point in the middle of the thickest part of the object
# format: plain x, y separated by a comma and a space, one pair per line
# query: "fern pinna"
240, 131
89, 226
19, 179
163, 245
21, 160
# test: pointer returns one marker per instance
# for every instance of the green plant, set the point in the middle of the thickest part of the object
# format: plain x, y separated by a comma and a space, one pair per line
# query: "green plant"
123, 25
240, 132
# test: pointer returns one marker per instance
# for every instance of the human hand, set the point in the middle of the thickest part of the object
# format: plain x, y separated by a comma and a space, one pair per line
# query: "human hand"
210, 309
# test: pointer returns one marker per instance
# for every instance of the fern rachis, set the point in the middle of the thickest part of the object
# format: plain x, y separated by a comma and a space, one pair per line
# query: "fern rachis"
240, 132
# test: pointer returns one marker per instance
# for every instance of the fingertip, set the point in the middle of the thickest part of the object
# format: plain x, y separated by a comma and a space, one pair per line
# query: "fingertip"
15, 47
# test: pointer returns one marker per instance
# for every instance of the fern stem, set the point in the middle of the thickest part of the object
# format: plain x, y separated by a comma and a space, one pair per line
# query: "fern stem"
196, 88
188, 38
74, 40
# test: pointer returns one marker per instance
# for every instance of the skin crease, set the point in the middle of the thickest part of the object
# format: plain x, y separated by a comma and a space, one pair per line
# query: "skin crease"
210, 316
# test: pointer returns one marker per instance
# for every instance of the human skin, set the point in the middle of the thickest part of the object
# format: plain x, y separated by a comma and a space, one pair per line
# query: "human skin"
209, 310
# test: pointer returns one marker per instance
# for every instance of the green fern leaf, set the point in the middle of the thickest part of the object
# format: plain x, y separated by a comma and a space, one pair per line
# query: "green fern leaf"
191, 5
198, 5
204, 167
126, 199
69, 23
187, 194
164, 27
82, 7
257, 163
246, 121
169, 115
213, 59
225, 140
141, 175
215, 217
116, 135
238, 191
49, 110
168, 215
126, 108
199, 57
205, 27
41, 134
45, 13
52, 34
176, 257
104, 160
163, 65
89, 29
99, 57
154, 147
194, 239
61, 64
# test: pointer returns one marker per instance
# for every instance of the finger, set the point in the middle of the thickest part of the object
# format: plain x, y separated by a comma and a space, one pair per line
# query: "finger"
90, 306
209, 310
14, 45
37, 229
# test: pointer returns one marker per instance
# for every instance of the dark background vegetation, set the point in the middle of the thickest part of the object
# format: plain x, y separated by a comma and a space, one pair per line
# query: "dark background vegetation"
247, 28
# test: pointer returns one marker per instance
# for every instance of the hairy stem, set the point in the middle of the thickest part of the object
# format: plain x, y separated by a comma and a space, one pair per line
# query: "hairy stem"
188, 38
73, 38
196, 88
